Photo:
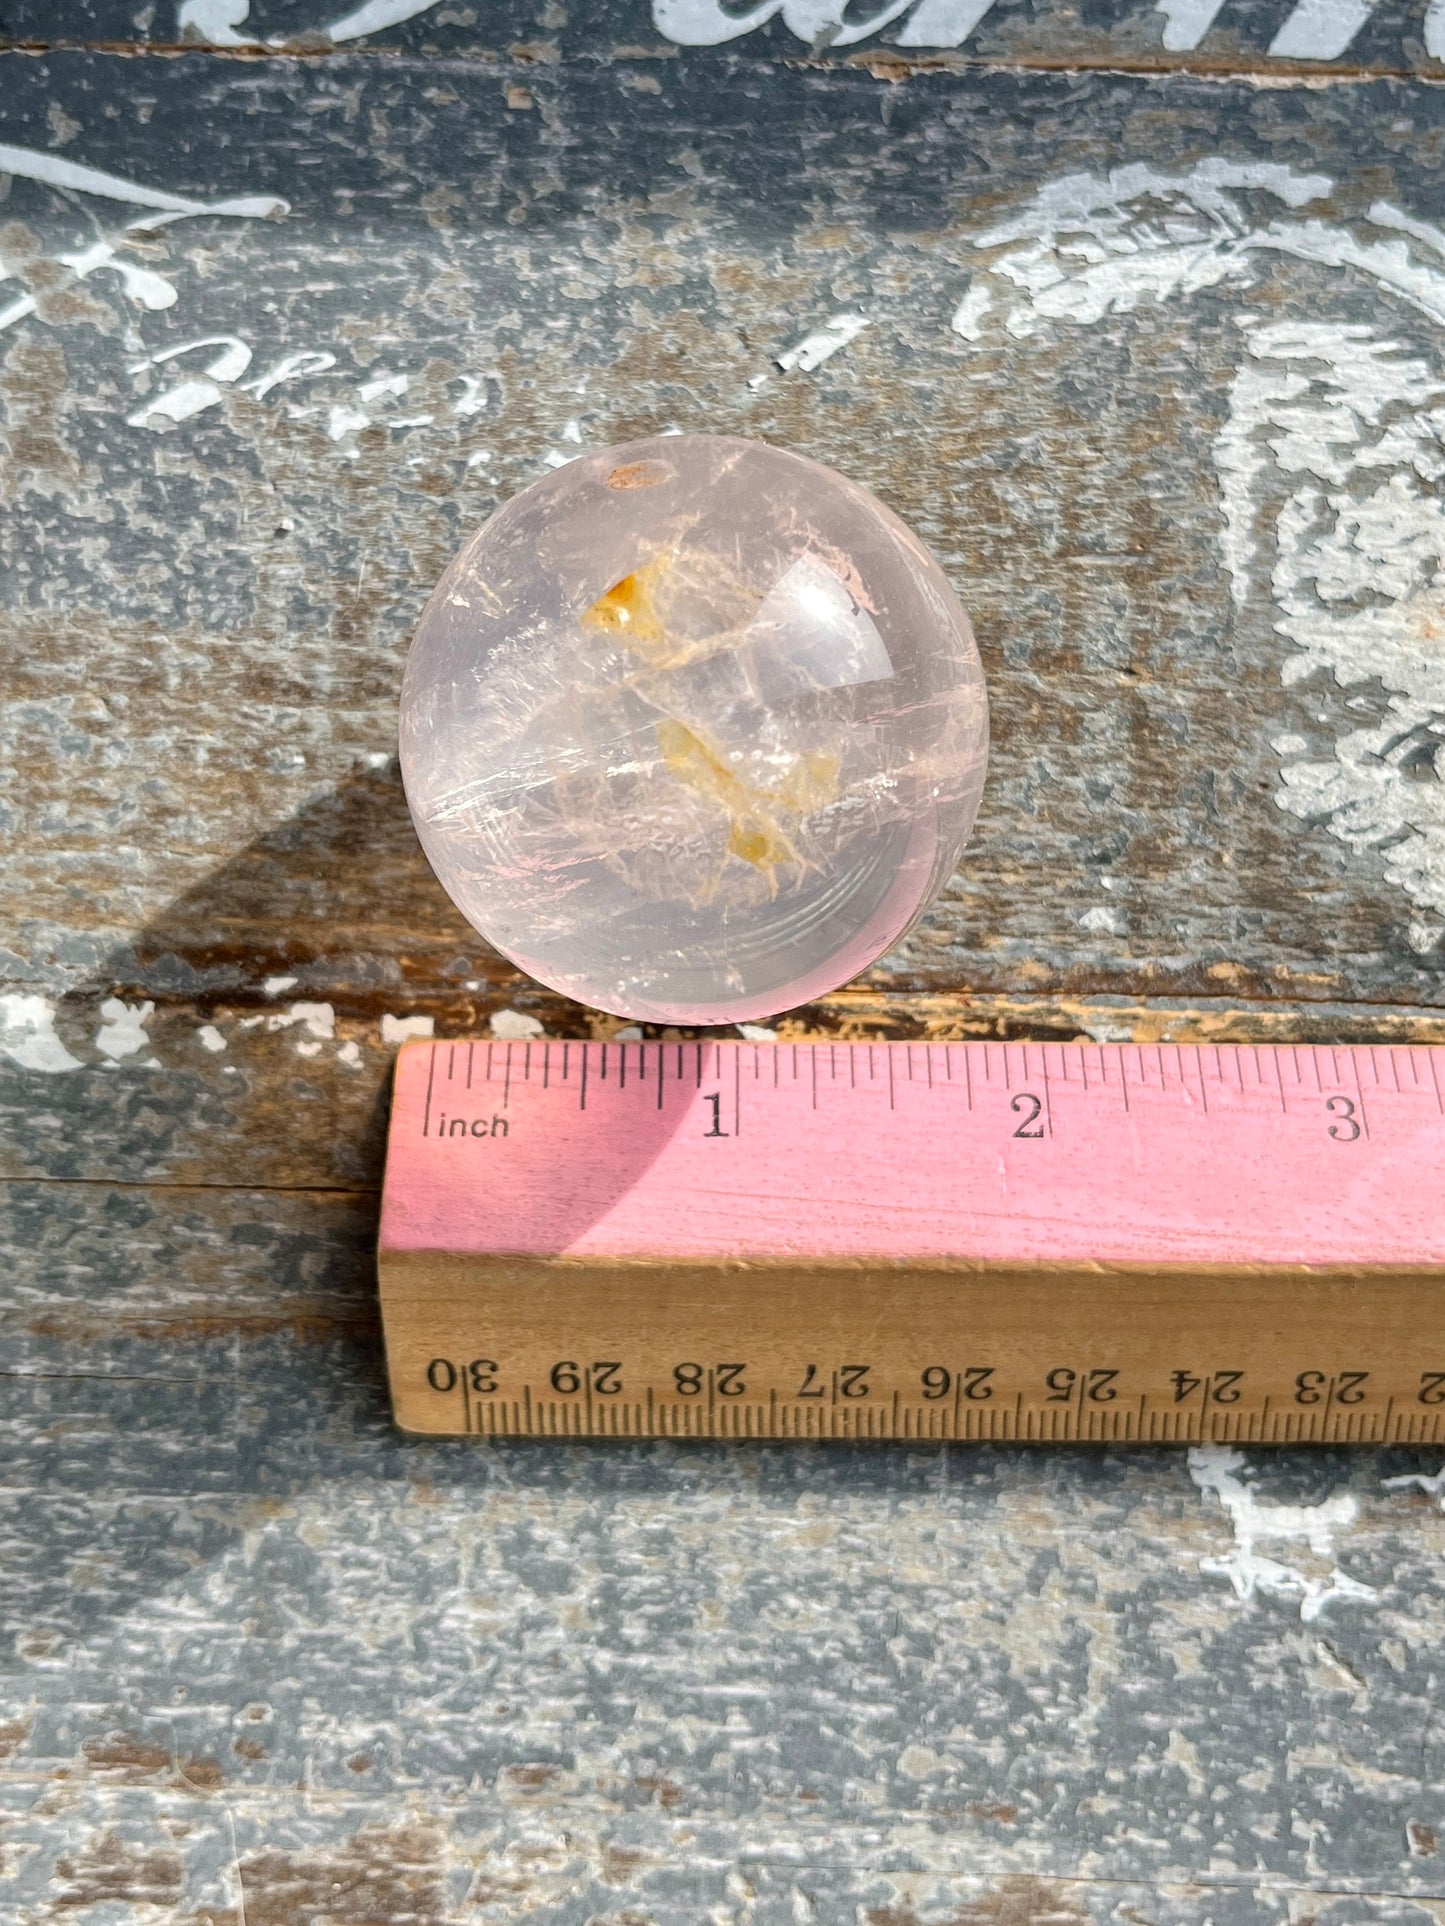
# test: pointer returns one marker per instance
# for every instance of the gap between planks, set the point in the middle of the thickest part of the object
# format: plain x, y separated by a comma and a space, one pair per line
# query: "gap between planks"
882, 64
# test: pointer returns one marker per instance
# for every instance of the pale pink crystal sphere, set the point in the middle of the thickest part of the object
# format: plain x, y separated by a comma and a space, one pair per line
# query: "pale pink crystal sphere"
693, 729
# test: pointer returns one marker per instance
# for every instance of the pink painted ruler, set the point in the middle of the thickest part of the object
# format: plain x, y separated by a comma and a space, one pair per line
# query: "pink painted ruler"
1243, 1241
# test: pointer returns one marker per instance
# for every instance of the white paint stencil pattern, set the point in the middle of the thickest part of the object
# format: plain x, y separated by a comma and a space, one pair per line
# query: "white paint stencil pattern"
1312, 30
1223, 1472
1330, 460
141, 284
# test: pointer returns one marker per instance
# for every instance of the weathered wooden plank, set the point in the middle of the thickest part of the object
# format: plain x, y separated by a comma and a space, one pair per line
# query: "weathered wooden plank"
360, 1861
1212, 671
898, 1672
1267, 36
173, 1264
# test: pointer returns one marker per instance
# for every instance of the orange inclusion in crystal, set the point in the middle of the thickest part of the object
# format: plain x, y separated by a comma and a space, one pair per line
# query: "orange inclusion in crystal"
627, 608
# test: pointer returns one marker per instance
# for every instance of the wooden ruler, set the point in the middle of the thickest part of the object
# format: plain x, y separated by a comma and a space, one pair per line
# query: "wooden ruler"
917, 1241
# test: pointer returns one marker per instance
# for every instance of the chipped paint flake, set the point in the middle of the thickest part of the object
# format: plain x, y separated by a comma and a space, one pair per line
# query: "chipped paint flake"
473, 397
1222, 1471
210, 1038
27, 1034
342, 421
968, 315
383, 384
823, 343
122, 1031
514, 1026
1102, 921
318, 1020
396, 1029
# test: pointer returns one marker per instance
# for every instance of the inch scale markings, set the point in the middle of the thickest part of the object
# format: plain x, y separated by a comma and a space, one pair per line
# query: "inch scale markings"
1042, 1242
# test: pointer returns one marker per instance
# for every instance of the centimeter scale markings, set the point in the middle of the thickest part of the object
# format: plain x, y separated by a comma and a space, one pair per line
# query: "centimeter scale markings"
1022, 1242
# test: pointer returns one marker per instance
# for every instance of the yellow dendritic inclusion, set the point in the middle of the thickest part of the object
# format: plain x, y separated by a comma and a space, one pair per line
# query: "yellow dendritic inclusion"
756, 832
628, 611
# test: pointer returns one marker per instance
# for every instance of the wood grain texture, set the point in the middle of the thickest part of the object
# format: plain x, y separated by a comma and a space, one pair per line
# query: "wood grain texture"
263, 1659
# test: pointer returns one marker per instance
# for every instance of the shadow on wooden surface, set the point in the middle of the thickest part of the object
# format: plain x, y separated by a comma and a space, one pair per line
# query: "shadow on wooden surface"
338, 894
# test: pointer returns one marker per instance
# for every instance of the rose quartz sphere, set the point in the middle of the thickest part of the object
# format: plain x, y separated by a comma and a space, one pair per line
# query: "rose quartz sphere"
693, 729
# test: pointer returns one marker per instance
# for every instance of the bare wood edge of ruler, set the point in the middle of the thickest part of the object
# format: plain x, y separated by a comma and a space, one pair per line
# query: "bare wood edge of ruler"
1012, 1242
